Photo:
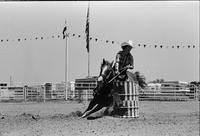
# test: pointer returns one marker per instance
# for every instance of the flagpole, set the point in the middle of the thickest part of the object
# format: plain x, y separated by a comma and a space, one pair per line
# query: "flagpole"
88, 63
88, 38
199, 59
66, 68
65, 34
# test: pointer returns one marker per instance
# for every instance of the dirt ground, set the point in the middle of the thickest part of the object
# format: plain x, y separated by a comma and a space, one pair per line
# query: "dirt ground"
62, 119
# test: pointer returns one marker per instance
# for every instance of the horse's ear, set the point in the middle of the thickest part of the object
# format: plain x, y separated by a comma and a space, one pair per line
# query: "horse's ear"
104, 61
112, 63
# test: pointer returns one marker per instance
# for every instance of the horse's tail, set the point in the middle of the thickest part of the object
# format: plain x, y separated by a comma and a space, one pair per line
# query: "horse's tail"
130, 76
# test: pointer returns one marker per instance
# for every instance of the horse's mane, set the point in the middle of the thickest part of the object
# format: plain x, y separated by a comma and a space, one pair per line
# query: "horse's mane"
105, 62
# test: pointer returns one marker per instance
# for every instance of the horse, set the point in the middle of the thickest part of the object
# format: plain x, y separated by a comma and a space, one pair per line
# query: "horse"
102, 93
105, 87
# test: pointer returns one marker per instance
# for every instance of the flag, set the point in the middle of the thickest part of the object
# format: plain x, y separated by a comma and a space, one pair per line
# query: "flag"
87, 31
64, 30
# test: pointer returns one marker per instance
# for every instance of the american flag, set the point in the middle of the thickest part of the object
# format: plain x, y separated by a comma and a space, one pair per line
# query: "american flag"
64, 30
87, 31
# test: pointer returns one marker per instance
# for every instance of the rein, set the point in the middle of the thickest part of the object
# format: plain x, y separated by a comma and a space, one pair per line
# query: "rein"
123, 69
106, 83
117, 75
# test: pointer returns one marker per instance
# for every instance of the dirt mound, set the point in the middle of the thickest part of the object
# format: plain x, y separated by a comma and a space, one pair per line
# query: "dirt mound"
73, 114
29, 116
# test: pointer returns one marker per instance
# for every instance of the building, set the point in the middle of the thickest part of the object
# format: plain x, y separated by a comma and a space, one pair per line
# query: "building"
58, 91
16, 93
84, 88
4, 93
11, 92
55, 90
154, 86
3, 85
33, 92
175, 85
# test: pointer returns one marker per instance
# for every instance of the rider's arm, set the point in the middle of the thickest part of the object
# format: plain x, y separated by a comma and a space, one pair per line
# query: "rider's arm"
131, 66
117, 62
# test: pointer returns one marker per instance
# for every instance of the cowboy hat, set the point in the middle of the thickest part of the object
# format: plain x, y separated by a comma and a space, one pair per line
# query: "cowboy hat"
129, 43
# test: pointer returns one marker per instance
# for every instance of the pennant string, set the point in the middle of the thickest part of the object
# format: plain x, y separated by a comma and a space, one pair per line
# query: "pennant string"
96, 40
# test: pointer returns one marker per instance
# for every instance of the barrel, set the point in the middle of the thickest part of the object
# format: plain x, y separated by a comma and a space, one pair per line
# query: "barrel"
129, 96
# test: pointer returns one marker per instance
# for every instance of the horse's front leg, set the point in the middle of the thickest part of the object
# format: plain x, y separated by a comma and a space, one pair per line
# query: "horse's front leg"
91, 105
88, 112
96, 108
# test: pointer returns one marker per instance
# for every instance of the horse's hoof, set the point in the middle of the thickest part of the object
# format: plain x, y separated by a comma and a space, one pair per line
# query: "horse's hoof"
84, 115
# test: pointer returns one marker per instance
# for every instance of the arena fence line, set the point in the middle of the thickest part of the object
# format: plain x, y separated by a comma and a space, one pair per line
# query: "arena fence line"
170, 94
84, 92
147, 94
39, 93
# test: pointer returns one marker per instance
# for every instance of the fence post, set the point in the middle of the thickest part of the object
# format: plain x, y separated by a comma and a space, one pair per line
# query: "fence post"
87, 92
73, 92
196, 94
87, 95
66, 89
44, 97
175, 94
24, 89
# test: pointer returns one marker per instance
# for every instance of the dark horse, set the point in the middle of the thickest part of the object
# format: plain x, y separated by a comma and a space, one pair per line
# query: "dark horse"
102, 93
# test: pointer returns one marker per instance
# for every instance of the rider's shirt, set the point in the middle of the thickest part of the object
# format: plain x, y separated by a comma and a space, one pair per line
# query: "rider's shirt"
123, 59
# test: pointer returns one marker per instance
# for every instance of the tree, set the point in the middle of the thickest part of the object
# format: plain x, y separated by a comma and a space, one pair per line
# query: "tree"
158, 81
140, 79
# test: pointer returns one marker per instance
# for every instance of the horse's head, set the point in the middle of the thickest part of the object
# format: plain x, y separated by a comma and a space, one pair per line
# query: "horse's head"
106, 71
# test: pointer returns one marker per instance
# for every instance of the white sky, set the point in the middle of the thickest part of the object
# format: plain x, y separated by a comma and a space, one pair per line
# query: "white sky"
167, 23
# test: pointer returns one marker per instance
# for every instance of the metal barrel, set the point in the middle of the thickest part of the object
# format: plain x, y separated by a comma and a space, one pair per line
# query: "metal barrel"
128, 92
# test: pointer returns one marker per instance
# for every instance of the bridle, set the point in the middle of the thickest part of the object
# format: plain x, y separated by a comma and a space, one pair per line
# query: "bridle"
105, 76
107, 82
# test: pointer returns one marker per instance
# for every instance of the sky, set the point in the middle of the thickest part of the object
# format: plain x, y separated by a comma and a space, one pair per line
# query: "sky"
165, 23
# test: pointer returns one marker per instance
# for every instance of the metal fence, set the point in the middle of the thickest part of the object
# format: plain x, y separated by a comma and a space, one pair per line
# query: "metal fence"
149, 94
39, 93
84, 92
170, 94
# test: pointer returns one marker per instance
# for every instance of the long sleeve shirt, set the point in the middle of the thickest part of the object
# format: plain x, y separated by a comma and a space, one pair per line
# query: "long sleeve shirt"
123, 59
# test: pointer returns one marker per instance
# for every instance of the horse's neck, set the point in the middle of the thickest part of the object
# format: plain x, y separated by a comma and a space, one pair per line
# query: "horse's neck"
111, 76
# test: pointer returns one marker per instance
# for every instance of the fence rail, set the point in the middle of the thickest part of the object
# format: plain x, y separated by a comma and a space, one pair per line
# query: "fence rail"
27, 94
176, 96
170, 93
85, 92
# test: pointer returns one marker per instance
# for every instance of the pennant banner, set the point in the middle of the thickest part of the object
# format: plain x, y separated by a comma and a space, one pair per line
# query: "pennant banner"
74, 35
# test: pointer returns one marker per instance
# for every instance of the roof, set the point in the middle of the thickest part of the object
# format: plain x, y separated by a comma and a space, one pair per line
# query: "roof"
175, 82
154, 84
87, 79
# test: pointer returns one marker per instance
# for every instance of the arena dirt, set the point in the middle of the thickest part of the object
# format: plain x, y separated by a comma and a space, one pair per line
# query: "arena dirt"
63, 119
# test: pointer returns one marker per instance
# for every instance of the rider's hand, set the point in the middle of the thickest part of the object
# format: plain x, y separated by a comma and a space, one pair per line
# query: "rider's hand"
129, 67
117, 72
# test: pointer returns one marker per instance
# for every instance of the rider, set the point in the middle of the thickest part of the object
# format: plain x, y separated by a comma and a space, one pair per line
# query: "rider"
123, 61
